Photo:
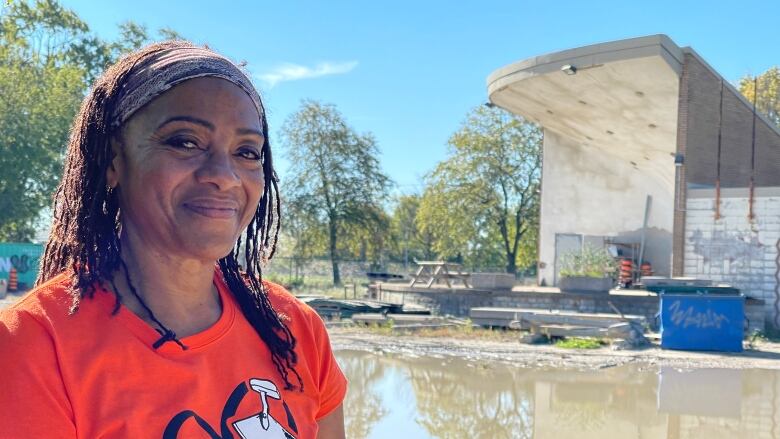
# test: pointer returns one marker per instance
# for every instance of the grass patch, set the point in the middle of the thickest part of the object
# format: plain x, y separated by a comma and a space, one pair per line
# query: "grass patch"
579, 343
768, 336
384, 328
465, 332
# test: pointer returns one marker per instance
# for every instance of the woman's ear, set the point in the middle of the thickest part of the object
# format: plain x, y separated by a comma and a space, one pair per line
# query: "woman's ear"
115, 167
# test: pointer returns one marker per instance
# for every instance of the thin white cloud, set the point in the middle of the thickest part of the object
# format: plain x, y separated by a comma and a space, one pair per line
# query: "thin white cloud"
295, 72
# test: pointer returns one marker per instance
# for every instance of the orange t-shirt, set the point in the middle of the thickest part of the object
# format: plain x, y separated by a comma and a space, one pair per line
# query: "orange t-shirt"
95, 375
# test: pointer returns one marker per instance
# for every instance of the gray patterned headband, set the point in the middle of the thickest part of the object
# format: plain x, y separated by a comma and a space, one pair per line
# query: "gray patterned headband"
161, 71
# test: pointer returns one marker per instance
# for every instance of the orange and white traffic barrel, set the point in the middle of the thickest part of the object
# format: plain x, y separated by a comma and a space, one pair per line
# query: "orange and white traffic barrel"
13, 280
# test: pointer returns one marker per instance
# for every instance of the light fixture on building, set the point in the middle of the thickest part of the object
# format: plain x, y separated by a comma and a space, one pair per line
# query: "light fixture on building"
569, 69
679, 159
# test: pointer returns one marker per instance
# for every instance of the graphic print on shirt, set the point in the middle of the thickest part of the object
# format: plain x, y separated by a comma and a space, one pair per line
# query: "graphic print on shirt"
262, 425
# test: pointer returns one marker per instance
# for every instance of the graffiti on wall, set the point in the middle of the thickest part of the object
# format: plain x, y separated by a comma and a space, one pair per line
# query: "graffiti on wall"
691, 316
22, 263
739, 248
24, 258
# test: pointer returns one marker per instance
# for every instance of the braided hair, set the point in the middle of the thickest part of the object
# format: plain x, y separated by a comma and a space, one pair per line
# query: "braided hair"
85, 242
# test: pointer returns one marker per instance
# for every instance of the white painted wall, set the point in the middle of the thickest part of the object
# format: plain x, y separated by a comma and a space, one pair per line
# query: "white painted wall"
733, 250
587, 190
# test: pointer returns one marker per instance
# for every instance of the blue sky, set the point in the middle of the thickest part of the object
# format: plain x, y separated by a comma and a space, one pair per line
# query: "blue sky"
409, 71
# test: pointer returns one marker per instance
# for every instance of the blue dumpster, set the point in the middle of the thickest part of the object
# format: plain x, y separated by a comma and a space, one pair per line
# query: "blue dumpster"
703, 322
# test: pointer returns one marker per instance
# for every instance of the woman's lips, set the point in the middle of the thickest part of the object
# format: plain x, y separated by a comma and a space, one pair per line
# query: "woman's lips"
213, 208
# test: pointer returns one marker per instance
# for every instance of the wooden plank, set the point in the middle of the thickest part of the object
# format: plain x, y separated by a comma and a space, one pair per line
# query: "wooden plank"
433, 276
445, 274
435, 271
416, 277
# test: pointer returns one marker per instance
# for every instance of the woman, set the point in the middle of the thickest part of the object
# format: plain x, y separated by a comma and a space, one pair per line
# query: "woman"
141, 324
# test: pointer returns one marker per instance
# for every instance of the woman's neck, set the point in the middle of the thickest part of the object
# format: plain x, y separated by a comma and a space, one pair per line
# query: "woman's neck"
179, 291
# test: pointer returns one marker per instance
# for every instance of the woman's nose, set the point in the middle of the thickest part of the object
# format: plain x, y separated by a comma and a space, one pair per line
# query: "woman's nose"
218, 169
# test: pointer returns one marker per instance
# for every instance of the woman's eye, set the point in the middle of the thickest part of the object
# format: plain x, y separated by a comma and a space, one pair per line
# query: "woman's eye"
249, 154
182, 143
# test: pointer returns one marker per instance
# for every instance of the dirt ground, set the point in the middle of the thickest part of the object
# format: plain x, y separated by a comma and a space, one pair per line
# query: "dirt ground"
764, 355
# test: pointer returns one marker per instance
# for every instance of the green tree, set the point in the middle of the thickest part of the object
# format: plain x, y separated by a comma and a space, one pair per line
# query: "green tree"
302, 237
334, 177
768, 99
48, 57
37, 105
368, 237
41, 33
410, 240
483, 199
44, 33
40, 90
167, 33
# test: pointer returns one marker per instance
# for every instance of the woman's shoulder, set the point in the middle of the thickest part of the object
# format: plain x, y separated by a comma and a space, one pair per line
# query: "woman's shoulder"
44, 303
29, 323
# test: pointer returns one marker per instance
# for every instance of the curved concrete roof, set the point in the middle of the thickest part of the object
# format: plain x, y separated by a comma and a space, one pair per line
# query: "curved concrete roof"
588, 57
622, 101
632, 65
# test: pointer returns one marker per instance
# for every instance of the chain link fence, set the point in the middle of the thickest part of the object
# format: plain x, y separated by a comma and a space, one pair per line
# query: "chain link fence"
318, 272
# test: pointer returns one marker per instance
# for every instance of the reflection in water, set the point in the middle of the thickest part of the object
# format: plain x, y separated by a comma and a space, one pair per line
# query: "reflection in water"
612, 403
364, 407
477, 402
449, 398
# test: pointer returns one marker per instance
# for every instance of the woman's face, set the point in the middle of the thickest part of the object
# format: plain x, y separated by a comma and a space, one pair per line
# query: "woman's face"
188, 170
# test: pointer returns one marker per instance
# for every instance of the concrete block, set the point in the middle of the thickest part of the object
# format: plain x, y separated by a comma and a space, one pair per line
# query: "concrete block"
492, 280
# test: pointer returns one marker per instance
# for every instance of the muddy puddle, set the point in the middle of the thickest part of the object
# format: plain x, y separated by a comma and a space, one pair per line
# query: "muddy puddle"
405, 397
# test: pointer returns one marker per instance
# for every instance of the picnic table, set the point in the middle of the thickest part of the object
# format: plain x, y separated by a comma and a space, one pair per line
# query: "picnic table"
431, 272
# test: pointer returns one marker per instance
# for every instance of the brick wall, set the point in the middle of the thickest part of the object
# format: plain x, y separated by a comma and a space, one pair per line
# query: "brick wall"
678, 215
732, 249
702, 123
